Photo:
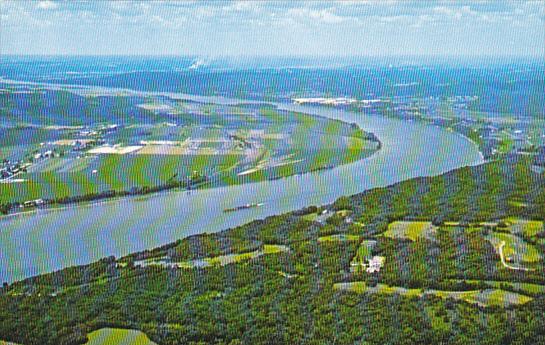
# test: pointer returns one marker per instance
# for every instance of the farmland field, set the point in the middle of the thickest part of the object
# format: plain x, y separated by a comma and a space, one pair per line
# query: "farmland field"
60, 177
168, 142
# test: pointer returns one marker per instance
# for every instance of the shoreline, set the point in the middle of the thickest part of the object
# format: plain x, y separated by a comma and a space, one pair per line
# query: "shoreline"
163, 189
192, 214
117, 258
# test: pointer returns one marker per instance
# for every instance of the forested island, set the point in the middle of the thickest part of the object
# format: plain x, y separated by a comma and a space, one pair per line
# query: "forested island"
451, 259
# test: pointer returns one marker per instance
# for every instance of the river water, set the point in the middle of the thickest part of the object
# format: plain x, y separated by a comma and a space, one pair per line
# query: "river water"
49, 240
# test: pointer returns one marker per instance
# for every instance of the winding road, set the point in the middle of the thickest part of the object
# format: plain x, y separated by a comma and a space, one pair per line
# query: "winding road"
505, 264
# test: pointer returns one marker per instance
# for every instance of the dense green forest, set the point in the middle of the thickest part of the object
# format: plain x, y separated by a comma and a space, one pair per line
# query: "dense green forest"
462, 264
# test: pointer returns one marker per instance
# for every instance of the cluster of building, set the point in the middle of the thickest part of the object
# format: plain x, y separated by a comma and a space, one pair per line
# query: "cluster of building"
370, 266
46, 154
9, 169
33, 203
375, 264
102, 129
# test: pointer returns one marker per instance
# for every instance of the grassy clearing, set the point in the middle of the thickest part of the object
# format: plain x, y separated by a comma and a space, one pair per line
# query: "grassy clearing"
362, 287
237, 258
515, 203
338, 238
485, 298
516, 249
344, 213
390, 290
311, 217
116, 336
221, 260
438, 323
410, 230
526, 228
357, 287
526, 288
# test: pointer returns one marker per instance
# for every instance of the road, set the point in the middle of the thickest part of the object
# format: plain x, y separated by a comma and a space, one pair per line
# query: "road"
506, 265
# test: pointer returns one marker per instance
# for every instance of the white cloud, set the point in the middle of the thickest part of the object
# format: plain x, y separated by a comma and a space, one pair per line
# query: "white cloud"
456, 12
257, 26
323, 15
47, 5
368, 2
241, 6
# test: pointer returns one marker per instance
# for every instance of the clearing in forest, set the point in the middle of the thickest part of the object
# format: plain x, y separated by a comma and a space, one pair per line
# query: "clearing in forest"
410, 230
221, 260
526, 288
338, 238
484, 298
525, 228
513, 249
117, 336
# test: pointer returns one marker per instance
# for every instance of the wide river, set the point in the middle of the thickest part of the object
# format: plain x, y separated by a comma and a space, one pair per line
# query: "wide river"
49, 240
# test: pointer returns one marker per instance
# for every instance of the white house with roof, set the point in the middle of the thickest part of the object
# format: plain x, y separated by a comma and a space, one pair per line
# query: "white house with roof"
375, 264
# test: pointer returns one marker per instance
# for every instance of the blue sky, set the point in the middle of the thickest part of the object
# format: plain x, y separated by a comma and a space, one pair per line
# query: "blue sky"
297, 28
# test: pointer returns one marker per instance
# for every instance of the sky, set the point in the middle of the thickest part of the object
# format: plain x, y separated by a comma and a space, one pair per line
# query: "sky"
273, 28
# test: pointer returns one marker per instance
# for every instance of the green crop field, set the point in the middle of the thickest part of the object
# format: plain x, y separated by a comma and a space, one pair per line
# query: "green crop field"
60, 177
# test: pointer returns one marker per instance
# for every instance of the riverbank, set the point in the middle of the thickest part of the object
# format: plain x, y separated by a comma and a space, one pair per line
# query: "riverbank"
79, 235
